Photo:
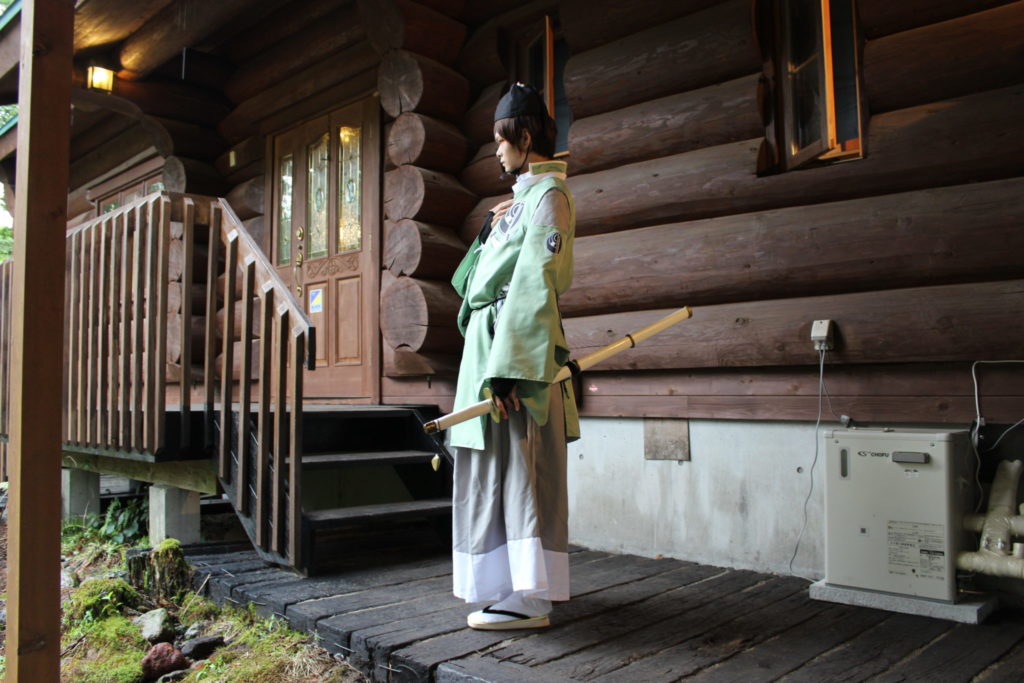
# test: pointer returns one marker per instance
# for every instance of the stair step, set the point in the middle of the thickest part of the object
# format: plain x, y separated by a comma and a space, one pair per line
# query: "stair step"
320, 519
351, 412
325, 460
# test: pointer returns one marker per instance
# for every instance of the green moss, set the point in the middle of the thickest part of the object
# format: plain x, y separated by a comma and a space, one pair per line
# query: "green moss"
169, 546
108, 667
101, 598
106, 651
162, 573
195, 608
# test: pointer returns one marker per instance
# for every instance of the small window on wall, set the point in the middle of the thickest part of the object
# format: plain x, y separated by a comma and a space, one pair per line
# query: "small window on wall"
541, 63
809, 93
113, 200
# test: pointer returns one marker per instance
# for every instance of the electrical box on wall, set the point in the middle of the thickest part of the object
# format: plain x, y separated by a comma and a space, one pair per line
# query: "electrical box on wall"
894, 503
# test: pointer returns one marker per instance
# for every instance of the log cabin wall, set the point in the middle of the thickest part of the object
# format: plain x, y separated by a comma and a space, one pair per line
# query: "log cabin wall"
914, 251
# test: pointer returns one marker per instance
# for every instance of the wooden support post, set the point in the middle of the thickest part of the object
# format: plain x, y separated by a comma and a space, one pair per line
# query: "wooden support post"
33, 561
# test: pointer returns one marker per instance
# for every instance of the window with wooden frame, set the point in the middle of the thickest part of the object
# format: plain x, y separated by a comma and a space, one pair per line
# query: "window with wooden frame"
126, 187
540, 60
809, 93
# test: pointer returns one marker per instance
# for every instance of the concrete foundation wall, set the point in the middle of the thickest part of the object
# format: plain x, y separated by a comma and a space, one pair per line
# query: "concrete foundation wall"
738, 502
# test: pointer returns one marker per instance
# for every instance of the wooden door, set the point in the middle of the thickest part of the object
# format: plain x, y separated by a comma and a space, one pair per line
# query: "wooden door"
326, 236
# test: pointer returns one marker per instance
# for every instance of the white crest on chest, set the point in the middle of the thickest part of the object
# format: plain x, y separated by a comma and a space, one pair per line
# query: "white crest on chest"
508, 222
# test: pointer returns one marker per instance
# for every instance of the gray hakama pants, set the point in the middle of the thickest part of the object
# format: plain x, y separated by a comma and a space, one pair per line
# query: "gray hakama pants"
510, 519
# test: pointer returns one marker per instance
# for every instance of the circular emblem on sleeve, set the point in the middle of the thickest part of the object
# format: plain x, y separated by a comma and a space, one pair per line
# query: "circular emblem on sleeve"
554, 242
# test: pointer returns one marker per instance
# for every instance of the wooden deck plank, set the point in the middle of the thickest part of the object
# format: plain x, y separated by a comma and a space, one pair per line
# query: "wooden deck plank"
597, 587
630, 619
221, 587
479, 668
539, 649
280, 598
745, 630
340, 632
304, 615
872, 652
962, 652
689, 623
1007, 669
780, 655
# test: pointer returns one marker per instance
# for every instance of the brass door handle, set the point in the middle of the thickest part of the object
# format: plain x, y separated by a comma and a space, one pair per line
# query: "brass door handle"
299, 233
298, 259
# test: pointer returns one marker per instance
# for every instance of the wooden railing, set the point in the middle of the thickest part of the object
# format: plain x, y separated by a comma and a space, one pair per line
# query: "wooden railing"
264, 476
144, 286
116, 329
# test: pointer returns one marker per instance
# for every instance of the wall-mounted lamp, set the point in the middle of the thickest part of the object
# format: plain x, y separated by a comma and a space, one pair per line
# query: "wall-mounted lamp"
98, 78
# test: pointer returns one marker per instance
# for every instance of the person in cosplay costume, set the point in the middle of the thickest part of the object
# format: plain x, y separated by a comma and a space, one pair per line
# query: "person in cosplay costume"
510, 502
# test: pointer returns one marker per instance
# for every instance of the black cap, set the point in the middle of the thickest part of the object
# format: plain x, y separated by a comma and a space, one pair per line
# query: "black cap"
520, 99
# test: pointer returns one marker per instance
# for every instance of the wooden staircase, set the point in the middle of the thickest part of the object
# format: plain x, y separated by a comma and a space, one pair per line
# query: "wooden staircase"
366, 483
152, 376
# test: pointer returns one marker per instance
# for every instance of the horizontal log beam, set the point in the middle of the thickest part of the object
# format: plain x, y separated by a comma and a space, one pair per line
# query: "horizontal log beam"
484, 176
422, 250
424, 141
709, 116
190, 139
590, 23
123, 150
947, 59
413, 26
425, 195
244, 120
483, 56
882, 17
695, 51
411, 82
106, 22
182, 174
920, 392
246, 199
884, 409
418, 315
926, 324
178, 101
935, 236
403, 363
968, 139
335, 32
164, 34
193, 475
478, 123
277, 26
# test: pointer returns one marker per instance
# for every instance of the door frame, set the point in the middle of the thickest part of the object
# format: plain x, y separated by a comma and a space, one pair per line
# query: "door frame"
372, 149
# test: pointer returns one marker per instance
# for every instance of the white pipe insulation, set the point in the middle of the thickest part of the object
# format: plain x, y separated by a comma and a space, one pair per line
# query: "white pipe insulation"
995, 554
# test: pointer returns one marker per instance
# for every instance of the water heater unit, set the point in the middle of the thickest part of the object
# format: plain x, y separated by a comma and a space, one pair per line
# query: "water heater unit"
894, 501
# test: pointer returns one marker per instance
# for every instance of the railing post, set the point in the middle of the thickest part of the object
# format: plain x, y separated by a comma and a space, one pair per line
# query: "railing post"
138, 323
295, 448
245, 385
209, 370
266, 426
188, 243
227, 360
159, 393
279, 514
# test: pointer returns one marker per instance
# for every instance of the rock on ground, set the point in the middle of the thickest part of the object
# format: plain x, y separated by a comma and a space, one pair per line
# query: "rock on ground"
161, 659
201, 648
156, 626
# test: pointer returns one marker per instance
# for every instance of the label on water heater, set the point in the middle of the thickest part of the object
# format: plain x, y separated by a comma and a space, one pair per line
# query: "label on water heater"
917, 549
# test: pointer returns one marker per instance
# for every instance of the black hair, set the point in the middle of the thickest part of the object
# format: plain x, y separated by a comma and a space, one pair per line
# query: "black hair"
542, 129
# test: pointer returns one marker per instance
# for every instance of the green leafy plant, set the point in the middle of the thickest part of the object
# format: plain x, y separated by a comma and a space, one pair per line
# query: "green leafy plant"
126, 522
